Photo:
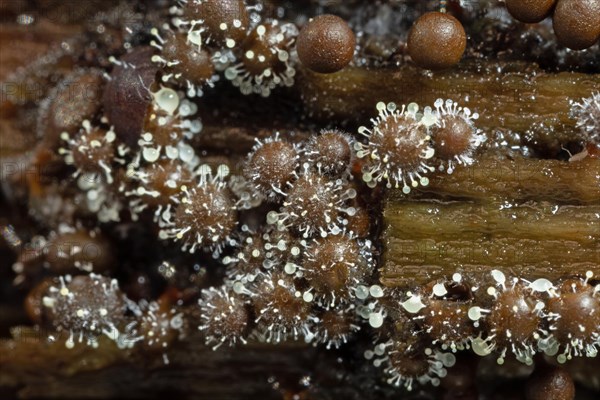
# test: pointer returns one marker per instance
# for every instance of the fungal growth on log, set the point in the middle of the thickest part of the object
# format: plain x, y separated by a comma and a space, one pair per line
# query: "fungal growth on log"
277, 199
398, 147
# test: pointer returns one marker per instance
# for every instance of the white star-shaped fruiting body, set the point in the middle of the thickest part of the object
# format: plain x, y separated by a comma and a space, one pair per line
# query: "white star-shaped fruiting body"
265, 60
442, 309
212, 23
155, 186
398, 150
407, 366
205, 216
184, 62
314, 205
331, 153
574, 320
92, 150
271, 166
334, 267
87, 307
514, 320
282, 311
454, 135
225, 317
336, 327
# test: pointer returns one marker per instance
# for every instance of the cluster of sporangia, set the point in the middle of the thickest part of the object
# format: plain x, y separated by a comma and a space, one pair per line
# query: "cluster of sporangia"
307, 272
576, 22
576, 25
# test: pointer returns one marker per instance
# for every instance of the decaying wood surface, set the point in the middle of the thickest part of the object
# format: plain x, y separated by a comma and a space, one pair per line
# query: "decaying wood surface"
532, 218
516, 96
33, 367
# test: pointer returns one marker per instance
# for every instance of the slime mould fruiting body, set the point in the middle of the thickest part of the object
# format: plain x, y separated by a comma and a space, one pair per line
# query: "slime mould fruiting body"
151, 222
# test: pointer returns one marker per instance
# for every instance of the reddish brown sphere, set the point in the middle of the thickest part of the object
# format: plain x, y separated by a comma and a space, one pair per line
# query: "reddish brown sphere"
436, 41
549, 382
512, 319
335, 328
453, 138
264, 59
401, 142
159, 324
166, 130
447, 322
338, 325
530, 11
262, 50
222, 19
333, 264
207, 217
577, 23
190, 61
579, 311
249, 258
326, 44
272, 165
331, 152
312, 204
281, 246
90, 303
225, 318
281, 312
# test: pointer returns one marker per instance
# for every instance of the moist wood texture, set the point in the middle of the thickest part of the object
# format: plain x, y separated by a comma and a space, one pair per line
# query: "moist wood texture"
533, 218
